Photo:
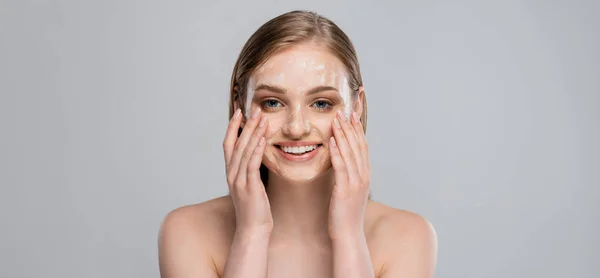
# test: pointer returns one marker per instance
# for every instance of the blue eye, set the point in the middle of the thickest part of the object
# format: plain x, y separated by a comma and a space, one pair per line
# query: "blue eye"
322, 105
271, 104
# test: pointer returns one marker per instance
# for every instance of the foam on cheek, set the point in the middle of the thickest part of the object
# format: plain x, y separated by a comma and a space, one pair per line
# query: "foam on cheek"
345, 95
312, 74
343, 86
249, 96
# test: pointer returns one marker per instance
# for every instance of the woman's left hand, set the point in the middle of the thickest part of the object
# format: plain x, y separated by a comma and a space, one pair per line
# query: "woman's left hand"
350, 159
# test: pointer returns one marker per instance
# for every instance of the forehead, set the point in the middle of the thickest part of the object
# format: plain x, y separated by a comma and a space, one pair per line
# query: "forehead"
304, 61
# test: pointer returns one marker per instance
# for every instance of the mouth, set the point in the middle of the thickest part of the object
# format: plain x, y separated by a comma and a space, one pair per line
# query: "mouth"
298, 150
299, 153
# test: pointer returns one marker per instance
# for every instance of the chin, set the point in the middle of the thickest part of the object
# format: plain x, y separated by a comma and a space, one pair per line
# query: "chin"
298, 174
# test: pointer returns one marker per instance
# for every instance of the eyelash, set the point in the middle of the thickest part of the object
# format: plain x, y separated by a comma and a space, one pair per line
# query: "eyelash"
264, 105
329, 105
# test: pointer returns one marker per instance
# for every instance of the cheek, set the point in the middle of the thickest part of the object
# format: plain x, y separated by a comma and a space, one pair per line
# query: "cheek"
275, 123
250, 107
323, 124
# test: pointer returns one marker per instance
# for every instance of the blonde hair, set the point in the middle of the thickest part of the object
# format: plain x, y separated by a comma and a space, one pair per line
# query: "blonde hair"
289, 29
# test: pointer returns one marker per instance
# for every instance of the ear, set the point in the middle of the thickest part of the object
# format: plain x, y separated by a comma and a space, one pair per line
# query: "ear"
359, 102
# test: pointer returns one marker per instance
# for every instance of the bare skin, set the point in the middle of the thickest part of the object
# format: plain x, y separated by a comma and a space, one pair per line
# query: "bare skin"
195, 242
313, 218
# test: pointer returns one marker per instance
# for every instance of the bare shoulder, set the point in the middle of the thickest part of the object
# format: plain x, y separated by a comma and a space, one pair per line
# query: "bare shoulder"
212, 218
387, 221
190, 236
404, 242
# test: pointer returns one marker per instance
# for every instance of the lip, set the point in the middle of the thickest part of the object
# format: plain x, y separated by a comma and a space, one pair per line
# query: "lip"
297, 143
299, 158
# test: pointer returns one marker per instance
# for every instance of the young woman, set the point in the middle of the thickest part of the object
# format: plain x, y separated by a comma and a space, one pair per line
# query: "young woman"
298, 172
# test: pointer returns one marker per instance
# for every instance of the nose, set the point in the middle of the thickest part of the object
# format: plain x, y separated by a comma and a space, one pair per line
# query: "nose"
295, 126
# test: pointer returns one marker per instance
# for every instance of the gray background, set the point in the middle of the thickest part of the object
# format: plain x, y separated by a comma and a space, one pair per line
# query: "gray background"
482, 117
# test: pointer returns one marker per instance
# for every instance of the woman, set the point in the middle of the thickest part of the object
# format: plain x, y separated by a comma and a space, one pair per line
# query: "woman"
298, 173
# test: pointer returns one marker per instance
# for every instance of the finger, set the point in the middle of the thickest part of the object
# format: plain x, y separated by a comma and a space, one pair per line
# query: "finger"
352, 141
255, 161
240, 145
345, 151
250, 148
231, 135
339, 167
362, 140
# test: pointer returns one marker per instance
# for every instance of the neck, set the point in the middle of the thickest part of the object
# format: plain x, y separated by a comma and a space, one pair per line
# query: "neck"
300, 209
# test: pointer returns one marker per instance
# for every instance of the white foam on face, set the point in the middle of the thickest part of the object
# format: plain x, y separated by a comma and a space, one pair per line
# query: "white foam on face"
296, 119
297, 71
322, 79
345, 94
266, 66
323, 73
343, 86
280, 79
307, 125
249, 96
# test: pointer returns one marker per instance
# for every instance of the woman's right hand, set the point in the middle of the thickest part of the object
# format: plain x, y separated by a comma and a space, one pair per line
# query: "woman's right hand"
243, 157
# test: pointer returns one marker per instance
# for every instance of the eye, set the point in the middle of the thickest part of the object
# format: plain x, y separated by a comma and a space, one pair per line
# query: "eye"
271, 104
322, 105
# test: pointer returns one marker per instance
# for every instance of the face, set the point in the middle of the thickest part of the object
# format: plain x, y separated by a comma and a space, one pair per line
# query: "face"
299, 91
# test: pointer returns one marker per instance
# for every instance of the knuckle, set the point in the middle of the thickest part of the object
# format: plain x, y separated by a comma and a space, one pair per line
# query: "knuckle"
251, 188
251, 165
351, 156
239, 183
364, 181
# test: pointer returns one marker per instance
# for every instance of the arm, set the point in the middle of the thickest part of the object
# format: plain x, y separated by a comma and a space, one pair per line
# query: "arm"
408, 240
350, 159
183, 248
248, 255
351, 258
248, 252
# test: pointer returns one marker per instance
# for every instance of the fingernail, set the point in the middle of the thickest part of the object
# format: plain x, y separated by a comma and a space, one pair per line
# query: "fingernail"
263, 121
341, 114
355, 117
332, 142
262, 141
256, 112
237, 113
336, 123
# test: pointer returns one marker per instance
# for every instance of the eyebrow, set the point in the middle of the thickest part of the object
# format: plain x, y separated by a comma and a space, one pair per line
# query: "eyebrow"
279, 90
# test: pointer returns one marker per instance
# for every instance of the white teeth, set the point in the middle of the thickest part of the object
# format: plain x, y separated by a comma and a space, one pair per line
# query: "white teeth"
298, 150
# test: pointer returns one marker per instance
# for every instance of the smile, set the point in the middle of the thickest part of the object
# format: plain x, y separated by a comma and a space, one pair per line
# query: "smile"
298, 150
298, 153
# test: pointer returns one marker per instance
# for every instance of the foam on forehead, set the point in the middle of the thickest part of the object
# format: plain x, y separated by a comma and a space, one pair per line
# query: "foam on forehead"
298, 73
